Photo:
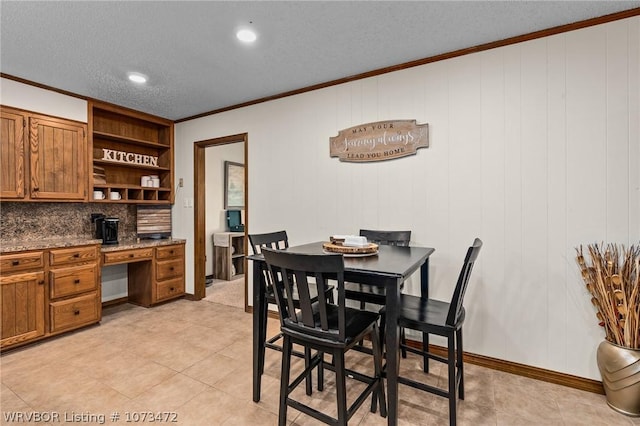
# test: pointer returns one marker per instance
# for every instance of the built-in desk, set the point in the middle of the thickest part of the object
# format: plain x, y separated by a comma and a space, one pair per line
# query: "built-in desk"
51, 286
155, 268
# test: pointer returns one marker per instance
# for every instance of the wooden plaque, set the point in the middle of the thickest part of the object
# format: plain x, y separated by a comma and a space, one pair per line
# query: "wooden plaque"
379, 141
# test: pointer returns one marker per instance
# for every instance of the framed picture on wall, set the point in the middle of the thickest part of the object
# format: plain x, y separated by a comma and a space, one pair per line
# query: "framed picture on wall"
233, 185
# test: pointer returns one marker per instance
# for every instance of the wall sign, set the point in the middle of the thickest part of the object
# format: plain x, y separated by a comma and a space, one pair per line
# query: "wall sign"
379, 141
128, 157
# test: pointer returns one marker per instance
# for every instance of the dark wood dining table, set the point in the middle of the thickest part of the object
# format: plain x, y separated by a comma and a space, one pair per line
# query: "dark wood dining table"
389, 268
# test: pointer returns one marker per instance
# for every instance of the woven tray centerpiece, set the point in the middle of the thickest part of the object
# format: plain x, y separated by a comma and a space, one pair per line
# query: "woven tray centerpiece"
349, 245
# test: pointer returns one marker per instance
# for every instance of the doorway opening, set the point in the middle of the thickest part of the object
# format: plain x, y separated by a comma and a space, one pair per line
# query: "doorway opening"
203, 239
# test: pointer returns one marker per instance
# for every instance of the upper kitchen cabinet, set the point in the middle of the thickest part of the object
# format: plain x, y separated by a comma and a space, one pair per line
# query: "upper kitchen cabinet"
57, 159
12, 125
42, 158
132, 155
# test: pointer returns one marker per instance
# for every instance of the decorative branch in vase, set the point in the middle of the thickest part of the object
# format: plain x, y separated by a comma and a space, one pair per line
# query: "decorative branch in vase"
612, 276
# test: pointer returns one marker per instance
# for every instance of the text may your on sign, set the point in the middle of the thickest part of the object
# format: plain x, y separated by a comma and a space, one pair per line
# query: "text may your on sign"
379, 141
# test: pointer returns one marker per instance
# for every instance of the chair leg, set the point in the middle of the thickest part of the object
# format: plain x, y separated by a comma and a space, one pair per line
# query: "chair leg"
403, 342
451, 363
263, 336
321, 372
308, 379
377, 363
284, 380
425, 351
381, 335
341, 389
459, 353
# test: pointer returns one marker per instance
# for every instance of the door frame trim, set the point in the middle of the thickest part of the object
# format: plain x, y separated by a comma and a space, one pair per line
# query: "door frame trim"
200, 213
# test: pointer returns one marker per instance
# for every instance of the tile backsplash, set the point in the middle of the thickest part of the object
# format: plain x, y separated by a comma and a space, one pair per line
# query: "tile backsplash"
28, 221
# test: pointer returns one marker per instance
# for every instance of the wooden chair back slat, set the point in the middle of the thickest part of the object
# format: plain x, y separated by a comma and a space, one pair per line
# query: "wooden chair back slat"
390, 238
455, 308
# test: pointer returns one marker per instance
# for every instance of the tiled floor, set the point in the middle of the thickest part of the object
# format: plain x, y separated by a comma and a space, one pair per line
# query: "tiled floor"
191, 362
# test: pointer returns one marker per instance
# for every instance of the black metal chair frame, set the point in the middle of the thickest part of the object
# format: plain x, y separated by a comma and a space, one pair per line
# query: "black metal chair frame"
444, 319
278, 240
325, 327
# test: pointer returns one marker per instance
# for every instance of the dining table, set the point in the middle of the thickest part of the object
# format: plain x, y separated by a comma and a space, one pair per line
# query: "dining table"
389, 268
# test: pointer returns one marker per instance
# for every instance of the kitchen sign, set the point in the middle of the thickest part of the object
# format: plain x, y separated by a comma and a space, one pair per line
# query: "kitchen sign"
128, 157
379, 141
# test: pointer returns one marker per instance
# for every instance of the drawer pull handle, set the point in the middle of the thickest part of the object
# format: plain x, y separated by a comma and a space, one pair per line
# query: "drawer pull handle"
76, 312
76, 281
170, 251
172, 289
76, 255
131, 255
15, 263
171, 268
41, 282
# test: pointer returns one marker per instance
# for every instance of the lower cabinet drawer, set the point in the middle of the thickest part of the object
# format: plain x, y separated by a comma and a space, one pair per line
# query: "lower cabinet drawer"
74, 280
73, 313
125, 256
71, 255
166, 269
169, 289
19, 262
170, 251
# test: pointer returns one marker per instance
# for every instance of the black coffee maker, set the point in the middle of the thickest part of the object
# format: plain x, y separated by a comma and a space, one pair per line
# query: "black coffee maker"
106, 228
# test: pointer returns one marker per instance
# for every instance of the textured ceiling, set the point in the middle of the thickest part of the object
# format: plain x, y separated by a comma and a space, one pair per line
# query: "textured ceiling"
195, 64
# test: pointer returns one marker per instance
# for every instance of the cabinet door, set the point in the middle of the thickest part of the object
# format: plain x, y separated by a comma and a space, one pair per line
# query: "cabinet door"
22, 298
58, 159
12, 126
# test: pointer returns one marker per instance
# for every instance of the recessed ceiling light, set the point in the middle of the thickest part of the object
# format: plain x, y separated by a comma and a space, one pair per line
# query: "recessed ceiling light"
246, 36
136, 77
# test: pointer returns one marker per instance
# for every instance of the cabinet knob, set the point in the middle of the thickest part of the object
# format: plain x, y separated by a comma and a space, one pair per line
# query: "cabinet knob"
131, 255
171, 268
15, 263
172, 289
76, 281
76, 312
41, 282
36, 189
76, 255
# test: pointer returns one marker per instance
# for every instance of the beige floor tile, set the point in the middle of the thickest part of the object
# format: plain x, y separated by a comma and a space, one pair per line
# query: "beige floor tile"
509, 419
11, 401
212, 407
170, 394
251, 416
239, 384
578, 414
214, 368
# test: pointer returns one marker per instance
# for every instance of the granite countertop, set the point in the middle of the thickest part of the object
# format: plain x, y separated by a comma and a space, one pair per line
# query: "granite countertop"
48, 243
134, 243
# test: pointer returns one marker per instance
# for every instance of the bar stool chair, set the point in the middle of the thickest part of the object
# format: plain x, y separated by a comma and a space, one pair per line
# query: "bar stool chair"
279, 240
443, 319
325, 327
376, 295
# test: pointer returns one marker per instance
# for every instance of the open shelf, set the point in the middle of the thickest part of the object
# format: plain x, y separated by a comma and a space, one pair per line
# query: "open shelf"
134, 141
130, 132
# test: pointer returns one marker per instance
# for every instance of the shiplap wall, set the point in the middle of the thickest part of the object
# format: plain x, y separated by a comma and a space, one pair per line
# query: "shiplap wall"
535, 148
